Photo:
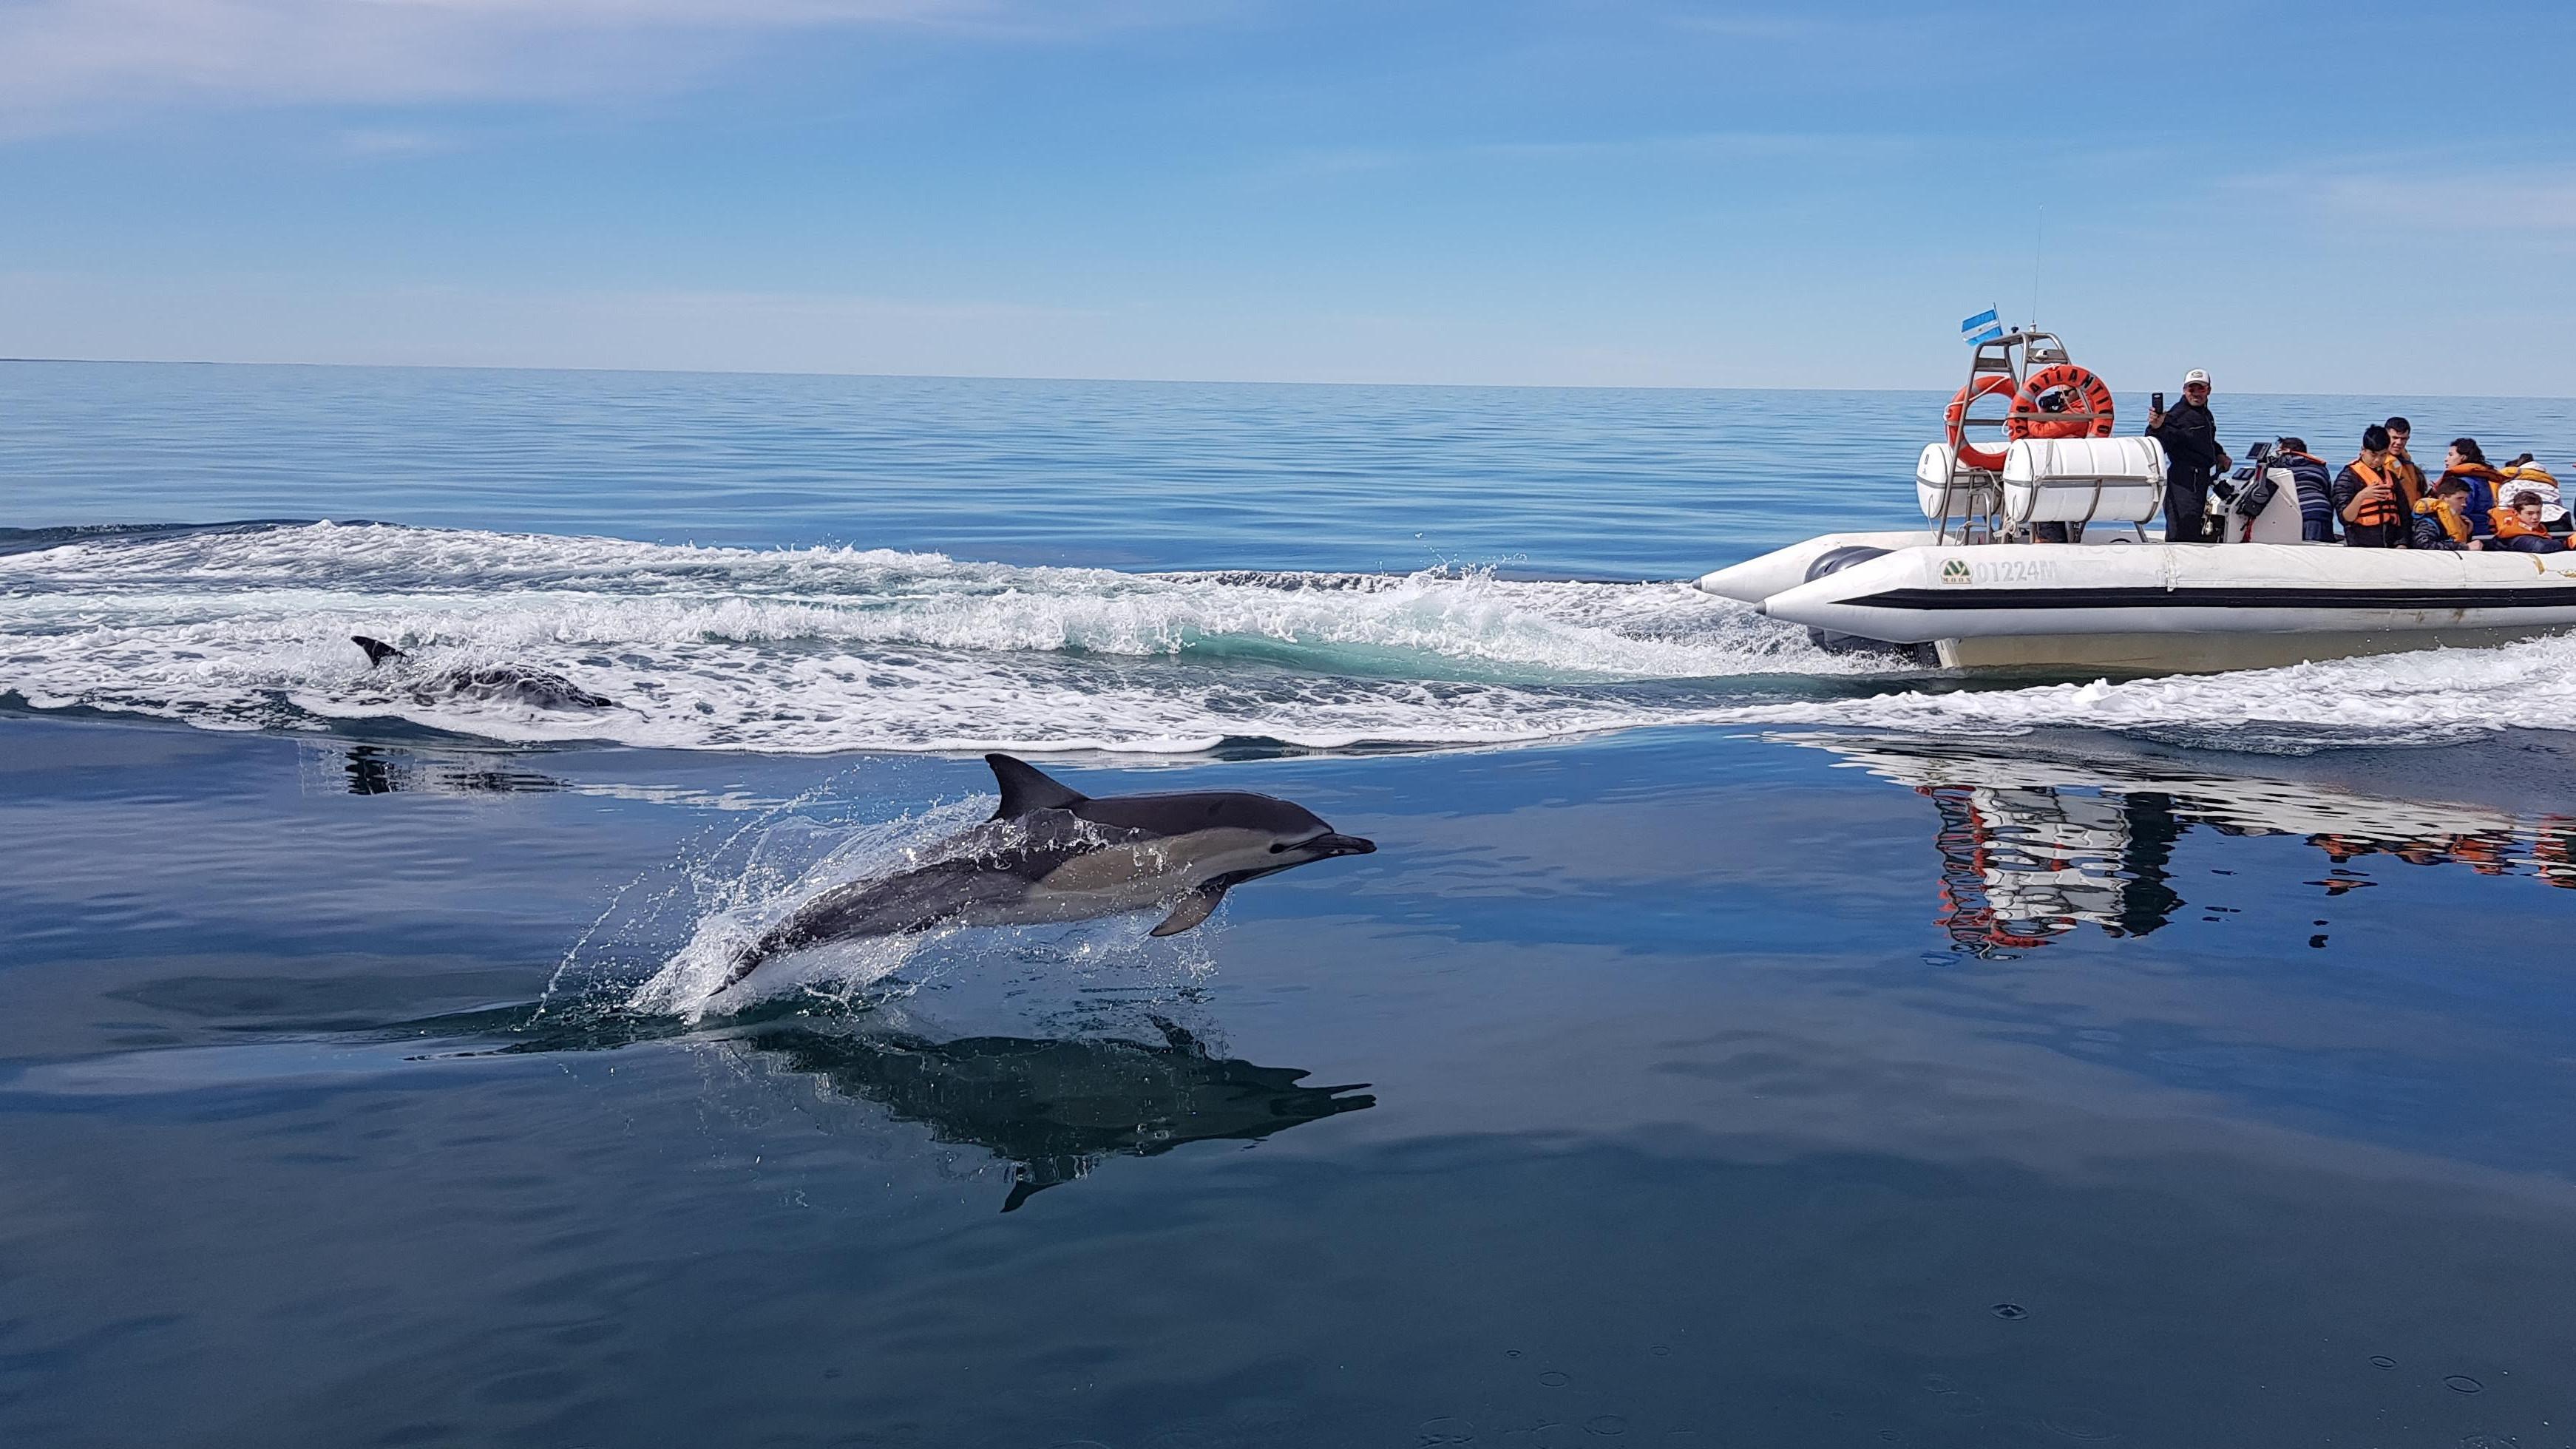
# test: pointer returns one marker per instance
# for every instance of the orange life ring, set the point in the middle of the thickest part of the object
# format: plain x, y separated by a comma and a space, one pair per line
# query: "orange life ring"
2029, 420
1992, 384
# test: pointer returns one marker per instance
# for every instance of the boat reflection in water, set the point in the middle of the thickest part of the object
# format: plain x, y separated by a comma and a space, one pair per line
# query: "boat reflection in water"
1056, 1109
2037, 840
387, 770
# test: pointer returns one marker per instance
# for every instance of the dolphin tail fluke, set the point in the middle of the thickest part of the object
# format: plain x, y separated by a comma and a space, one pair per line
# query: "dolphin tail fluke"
1192, 909
1026, 788
378, 651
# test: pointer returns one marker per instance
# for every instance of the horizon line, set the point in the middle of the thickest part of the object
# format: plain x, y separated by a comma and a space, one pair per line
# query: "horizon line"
1129, 381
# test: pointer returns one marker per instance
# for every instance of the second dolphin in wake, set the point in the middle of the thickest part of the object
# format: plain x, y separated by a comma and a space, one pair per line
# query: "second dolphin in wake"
497, 683
1051, 853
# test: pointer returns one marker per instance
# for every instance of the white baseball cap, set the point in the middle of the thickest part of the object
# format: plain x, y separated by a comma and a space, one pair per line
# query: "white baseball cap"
2195, 375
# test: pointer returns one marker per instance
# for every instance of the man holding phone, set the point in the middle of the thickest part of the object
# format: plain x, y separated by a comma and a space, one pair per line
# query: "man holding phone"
2190, 435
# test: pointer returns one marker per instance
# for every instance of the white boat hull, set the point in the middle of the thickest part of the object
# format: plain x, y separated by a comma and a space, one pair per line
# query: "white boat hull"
2158, 606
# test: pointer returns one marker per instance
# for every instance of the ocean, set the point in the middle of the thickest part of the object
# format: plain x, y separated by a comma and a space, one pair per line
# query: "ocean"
1729, 1042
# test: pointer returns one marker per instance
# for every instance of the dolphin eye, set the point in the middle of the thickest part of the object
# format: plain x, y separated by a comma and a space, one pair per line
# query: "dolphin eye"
1279, 848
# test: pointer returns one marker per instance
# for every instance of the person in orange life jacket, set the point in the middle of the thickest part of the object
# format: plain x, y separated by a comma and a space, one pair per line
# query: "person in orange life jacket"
2466, 461
2402, 469
2365, 497
2190, 436
2518, 526
2442, 521
2522, 473
2316, 489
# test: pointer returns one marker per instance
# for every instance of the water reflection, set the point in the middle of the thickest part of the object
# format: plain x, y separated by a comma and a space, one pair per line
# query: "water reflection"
2037, 840
1055, 1109
377, 770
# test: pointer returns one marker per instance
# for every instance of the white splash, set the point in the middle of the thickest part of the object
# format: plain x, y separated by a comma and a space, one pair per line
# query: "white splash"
832, 649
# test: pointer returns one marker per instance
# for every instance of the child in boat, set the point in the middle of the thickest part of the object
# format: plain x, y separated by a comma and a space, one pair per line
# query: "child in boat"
2518, 526
2523, 473
2316, 489
2467, 462
2442, 521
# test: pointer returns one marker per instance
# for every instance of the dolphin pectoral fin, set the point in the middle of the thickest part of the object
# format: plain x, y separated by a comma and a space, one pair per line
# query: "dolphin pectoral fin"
1026, 788
378, 651
1193, 908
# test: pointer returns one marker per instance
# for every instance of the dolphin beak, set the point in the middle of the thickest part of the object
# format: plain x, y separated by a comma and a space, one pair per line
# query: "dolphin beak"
1329, 844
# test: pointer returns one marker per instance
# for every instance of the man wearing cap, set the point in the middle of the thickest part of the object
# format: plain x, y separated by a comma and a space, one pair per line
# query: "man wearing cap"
2190, 436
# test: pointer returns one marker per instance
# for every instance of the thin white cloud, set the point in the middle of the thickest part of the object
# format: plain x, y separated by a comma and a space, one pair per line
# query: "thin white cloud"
2419, 192
1700, 148
67, 64
378, 141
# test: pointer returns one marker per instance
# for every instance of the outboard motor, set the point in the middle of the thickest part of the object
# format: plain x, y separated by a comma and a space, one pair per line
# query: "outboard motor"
1834, 561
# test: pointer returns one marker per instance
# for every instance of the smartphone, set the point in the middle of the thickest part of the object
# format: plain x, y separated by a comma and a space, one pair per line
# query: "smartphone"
2158, 405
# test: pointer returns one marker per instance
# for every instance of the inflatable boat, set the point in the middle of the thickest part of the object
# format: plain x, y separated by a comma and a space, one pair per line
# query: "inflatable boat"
1989, 584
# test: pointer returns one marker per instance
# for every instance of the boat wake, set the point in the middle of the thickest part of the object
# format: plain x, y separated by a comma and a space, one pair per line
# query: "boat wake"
246, 627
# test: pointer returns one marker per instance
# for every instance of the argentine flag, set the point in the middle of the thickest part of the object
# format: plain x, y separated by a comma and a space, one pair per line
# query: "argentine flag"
1981, 328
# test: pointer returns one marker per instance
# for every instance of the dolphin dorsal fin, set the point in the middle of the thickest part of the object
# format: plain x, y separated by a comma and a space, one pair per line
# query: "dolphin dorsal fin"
378, 651
1026, 788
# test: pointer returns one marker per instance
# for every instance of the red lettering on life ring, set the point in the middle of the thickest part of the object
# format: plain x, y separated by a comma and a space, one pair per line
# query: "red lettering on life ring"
2089, 417
1992, 384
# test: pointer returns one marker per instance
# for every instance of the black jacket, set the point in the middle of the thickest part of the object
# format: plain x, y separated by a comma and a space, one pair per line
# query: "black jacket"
2428, 533
2190, 436
2347, 486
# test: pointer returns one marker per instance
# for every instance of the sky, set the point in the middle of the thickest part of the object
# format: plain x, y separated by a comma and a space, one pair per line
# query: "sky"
2301, 197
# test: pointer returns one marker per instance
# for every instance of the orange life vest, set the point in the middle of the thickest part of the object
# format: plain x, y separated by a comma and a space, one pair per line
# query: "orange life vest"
2508, 524
2369, 512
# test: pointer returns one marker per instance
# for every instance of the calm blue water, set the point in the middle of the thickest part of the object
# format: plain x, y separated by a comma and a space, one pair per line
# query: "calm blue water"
1593, 482
1725, 1045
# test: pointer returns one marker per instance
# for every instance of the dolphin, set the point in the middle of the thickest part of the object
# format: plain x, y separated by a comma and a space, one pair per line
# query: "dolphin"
1051, 853
503, 682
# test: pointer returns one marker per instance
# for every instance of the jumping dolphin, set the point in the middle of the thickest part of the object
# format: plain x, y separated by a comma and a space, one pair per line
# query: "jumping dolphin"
488, 681
1052, 853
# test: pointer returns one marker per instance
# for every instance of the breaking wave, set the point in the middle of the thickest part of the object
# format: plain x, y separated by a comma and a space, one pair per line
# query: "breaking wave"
825, 649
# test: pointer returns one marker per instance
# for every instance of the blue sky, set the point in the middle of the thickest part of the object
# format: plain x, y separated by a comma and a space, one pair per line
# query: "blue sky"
2302, 197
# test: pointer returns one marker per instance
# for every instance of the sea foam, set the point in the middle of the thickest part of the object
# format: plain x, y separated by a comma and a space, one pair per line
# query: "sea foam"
826, 649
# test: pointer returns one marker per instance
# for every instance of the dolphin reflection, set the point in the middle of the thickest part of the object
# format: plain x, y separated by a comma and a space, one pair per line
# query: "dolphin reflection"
1055, 1109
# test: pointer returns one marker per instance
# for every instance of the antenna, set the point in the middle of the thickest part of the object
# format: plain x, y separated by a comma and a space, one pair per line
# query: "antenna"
2037, 249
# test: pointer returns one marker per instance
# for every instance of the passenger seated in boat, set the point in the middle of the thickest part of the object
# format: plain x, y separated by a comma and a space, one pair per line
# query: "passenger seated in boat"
2402, 469
2522, 473
2468, 462
2442, 521
2316, 489
2518, 526
2365, 496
